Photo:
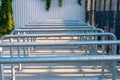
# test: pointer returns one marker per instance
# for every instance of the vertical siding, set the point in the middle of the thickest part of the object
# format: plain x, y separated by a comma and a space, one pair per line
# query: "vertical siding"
27, 11
24, 11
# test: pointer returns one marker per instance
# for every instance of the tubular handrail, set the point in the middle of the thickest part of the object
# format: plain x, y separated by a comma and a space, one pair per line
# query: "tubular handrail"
22, 44
58, 24
54, 27
60, 35
65, 58
56, 21
56, 30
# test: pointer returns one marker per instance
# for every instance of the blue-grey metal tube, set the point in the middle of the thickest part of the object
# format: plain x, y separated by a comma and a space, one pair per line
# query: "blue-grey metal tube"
60, 35
54, 27
50, 59
23, 44
58, 24
34, 30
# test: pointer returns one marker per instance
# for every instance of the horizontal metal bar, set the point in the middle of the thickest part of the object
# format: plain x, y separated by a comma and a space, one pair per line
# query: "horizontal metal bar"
61, 35
65, 58
58, 24
57, 21
51, 30
22, 44
55, 27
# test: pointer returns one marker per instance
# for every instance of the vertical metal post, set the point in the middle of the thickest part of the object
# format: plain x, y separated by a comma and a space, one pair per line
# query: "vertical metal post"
32, 41
28, 51
96, 47
20, 66
12, 65
103, 46
102, 63
114, 51
1, 72
28, 47
1, 65
18, 48
114, 70
24, 50
13, 72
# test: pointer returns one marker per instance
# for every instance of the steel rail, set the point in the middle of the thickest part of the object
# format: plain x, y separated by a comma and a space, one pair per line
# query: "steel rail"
58, 24
21, 44
60, 35
55, 27
57, 21
51, 28
65, 58
56, 30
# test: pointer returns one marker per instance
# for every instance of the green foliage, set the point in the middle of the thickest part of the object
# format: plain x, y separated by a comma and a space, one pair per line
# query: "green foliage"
80, 2
48, 4
6, 20
60, 3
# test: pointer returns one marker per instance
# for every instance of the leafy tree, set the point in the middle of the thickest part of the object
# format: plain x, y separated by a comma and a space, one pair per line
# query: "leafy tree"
6, 19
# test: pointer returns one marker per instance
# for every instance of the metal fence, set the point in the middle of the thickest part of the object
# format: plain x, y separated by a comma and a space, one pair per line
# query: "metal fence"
104, 14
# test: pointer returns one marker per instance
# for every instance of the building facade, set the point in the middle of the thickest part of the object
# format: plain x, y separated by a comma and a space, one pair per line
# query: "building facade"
28, 11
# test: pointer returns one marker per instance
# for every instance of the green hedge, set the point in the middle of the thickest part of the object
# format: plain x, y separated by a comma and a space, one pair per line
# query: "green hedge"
6, 18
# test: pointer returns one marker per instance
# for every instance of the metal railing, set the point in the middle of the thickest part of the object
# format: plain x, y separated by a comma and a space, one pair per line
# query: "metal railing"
65, 58
80, 37
45, 35
41, 31
93, 35
24, 40
55, 27
56, 24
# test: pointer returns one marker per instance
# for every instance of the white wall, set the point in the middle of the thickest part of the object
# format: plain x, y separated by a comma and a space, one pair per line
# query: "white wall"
27, 11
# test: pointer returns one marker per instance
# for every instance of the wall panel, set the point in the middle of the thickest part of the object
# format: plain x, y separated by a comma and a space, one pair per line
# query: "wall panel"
27, 11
